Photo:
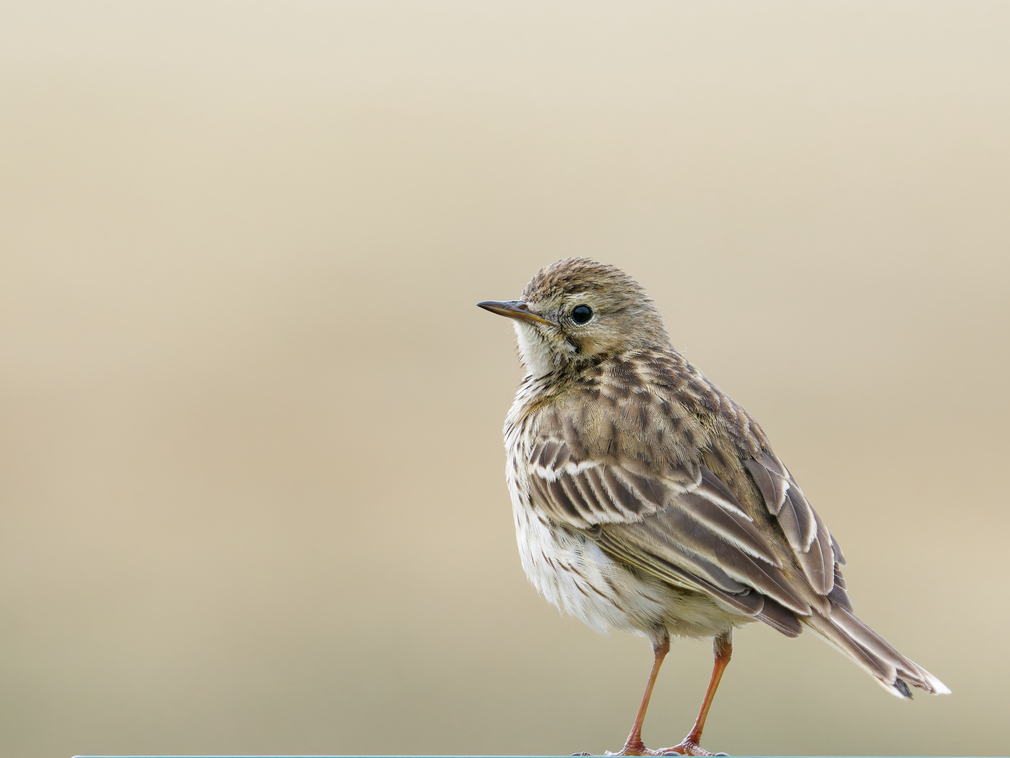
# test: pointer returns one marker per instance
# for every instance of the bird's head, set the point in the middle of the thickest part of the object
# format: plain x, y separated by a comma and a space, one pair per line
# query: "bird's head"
576, 310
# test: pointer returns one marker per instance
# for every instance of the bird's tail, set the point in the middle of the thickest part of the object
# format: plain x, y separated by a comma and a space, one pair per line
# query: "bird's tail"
871, 651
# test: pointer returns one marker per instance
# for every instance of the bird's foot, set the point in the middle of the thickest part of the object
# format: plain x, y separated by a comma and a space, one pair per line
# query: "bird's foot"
637, 747
632, 747
687, 747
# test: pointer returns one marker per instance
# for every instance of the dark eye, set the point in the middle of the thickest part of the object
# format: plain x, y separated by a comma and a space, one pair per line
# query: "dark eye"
581, 314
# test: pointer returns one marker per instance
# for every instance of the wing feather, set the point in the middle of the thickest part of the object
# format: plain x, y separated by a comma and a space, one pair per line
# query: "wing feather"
814, 547
686, 526
699, 527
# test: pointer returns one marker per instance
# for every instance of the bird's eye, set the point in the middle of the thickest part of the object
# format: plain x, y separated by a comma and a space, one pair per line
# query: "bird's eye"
581, 314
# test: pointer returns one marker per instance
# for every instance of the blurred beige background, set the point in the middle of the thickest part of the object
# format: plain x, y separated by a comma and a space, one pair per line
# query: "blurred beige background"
252, 495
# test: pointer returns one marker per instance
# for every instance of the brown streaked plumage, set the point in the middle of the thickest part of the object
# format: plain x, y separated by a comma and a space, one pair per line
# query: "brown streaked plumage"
645, 499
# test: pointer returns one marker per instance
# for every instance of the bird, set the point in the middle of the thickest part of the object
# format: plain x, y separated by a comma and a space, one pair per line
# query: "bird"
646, 500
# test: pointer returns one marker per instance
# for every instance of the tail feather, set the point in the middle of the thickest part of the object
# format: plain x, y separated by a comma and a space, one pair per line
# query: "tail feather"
894, 671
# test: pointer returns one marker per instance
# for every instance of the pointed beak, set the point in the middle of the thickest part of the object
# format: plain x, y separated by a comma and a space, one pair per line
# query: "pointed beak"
516, 309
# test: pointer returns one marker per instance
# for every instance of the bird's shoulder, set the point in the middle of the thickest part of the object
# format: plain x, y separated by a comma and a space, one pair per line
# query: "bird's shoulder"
649, 406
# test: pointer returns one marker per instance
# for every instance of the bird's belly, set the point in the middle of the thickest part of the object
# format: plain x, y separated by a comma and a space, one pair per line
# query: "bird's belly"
573, 573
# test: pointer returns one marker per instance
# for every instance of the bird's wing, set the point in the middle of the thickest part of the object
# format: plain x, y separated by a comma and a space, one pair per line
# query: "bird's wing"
683, 526
815, 549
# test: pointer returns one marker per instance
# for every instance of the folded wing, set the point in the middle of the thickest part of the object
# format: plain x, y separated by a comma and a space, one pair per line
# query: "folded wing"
684, 526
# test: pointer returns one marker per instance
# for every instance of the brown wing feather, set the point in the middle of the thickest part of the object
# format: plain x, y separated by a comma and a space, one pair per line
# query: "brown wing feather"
805, 531
686, 532
676, 519
673, 536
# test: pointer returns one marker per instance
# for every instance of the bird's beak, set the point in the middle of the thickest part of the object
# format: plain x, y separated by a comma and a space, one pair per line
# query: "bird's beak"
516, 309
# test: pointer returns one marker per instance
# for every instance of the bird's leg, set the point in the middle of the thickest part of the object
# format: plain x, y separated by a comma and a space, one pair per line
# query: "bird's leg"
722, 648
634, 744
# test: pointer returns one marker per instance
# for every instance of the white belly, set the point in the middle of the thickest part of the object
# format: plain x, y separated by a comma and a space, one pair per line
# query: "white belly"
572, 572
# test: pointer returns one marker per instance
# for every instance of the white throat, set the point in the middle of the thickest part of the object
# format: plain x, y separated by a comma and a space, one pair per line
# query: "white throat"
534, 352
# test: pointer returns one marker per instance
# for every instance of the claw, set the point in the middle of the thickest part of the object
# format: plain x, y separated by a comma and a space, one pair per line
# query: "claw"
685, 748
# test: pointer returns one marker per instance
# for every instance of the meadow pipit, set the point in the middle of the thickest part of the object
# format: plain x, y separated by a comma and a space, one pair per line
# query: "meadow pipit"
645, 499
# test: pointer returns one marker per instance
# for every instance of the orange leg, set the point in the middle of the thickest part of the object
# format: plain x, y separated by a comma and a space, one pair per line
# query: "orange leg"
722, 648
634, 744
